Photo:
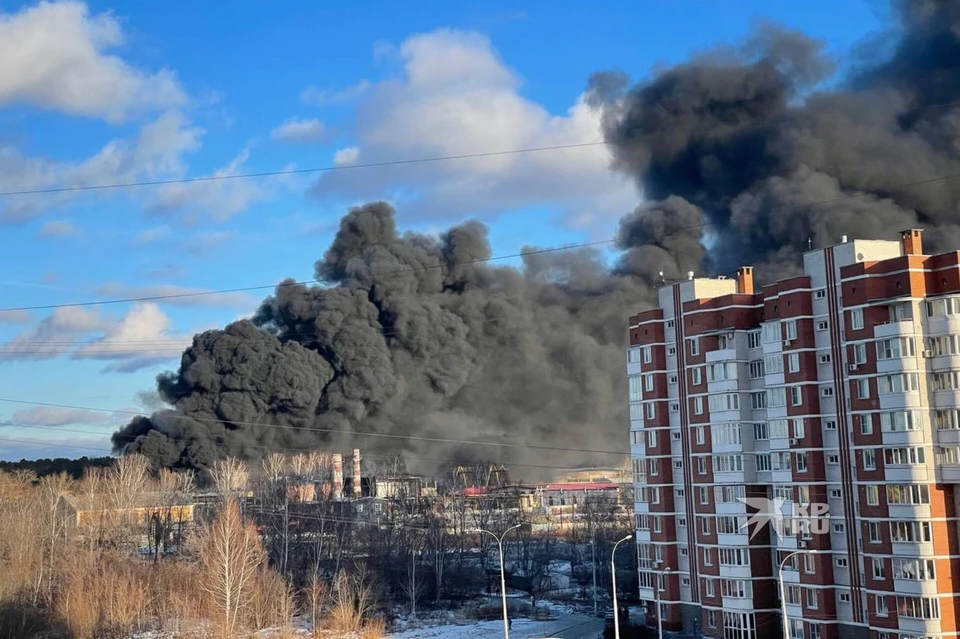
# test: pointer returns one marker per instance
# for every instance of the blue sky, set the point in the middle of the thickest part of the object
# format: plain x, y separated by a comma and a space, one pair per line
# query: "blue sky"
99, 93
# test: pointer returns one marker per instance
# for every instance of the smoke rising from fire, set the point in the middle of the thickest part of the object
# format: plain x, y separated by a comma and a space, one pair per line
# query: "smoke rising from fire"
740, 151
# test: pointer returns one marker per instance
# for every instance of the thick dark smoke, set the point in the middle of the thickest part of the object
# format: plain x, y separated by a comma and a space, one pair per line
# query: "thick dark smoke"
746, 136
740, 151
414, 335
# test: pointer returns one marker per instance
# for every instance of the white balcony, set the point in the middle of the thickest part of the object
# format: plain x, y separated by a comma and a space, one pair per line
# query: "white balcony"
633, 368
738, 539
894, 329
735, 572
641, 507
782, 476
907, 474
947, 437
914, 587
643, 536
791, 576
736, 603
909, 549
730, 508
948, 473
721, 355
929, 627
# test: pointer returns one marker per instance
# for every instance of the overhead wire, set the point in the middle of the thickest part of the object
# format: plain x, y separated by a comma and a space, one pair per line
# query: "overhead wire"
408, 269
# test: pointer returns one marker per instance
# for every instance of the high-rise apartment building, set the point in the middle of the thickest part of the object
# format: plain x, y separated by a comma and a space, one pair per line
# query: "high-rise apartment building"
834, 393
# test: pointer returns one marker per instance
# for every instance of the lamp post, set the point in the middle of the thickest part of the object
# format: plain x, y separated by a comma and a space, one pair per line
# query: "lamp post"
783, 589
613, 576
503, 579
593, 555
660, 575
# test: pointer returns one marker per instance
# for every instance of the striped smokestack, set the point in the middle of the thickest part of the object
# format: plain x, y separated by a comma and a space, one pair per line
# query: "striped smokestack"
337, 476
356, 473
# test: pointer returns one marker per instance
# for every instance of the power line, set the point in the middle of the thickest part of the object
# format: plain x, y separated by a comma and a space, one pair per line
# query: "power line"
291, 450
284, 172
436, 440
154, 298
787, 210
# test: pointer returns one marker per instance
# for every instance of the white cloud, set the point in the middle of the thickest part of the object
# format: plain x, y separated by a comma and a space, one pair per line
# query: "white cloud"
55, 55
197, 299
49, 416
58, 228
155, 153
346, 156
15, 317
140, 338
457, 97
299, 130
218, 199
151, 235
54, 335
327, 97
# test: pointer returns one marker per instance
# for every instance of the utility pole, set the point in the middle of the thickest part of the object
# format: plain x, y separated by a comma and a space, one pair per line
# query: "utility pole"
593, 553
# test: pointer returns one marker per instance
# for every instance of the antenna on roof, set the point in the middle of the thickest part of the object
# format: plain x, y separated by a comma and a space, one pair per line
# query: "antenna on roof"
809, 243
663, 280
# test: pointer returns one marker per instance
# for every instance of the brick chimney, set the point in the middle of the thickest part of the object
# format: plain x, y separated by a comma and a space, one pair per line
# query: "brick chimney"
745, 280
337, 476
912, 241
357, 489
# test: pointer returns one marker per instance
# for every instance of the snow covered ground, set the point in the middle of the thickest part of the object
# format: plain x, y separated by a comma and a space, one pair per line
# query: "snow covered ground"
566, 626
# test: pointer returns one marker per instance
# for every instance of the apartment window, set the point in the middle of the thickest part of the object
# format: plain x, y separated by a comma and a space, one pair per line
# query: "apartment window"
901, 312
711, 618
701, 466
895, 348
798, 430
728, 463
776, 397
801, 463
859, 354
946, 306
869, 460
685, 582
701, 434
910, 494
878, 568
866, 424
760, 431
758, 400
721, 372
790, 329
833, 460
809, 565
673, 379
653, 466
771, 332
707, 557
651, 439
835, 493
839, 528
676, 435
698, 405
918, 607
672, 350
734, 556
633, 355
796, 396
763, 462
812, 598
863, 388
654, 495
826, 391
874, 532
843, 597
880, 603
796, 625
821, 326
702, 492
647, 354
902, 383
914, 569
682, 522
898, 421
636, 411
669, 323
903, 456
695, 376
656, 524
793, 362
704, 526
651, 410
724, 401
830, 425
840, 562
910, 532
695, 346
856, 319
825, 358
773, 364
708, 584
820, 293
634, 386
756, 369
648, 383
684, 552
678, 464
674, 407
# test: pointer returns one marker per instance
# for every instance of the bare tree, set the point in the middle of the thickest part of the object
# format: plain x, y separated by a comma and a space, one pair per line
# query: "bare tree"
230, 556
230, 476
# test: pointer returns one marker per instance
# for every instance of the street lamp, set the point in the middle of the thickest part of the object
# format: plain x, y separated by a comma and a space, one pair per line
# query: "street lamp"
503, 579
660, 575
613, 576
783, 589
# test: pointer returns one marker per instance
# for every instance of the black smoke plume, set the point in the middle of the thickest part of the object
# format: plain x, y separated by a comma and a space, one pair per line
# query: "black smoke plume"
742, 156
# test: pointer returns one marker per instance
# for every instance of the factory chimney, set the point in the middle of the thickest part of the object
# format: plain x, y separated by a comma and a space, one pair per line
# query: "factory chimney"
357, 492
337, 476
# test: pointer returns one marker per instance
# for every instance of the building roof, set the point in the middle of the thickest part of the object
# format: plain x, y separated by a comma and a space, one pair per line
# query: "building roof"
582, 485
